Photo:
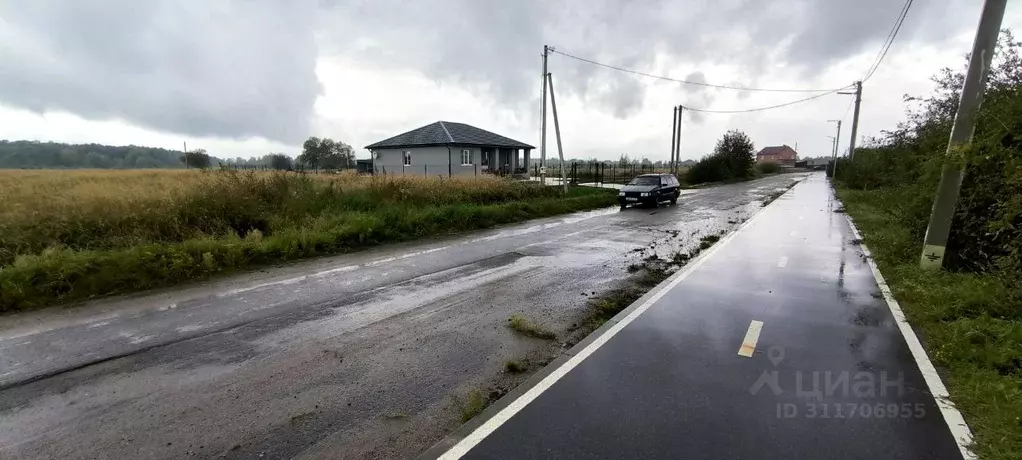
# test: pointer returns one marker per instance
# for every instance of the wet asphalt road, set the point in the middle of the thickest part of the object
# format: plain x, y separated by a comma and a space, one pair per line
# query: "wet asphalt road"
827, 376
355, 356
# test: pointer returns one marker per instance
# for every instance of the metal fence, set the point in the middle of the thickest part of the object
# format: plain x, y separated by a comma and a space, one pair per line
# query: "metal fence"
293, 168
577, 172
581, 172
446, 170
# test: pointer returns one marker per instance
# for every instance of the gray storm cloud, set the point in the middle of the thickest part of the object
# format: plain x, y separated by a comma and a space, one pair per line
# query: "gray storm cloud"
237, 68
496, 44
231, 69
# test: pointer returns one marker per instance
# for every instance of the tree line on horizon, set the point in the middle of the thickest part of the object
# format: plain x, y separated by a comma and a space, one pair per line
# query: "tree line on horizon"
317, 153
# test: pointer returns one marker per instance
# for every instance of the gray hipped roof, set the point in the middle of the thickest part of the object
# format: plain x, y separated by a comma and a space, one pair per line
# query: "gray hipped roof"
446, 132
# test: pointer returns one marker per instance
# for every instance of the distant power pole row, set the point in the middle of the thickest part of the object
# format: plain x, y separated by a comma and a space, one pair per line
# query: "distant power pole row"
837, 140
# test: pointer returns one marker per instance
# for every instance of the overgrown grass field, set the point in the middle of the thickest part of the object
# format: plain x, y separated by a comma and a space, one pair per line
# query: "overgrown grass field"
72, 235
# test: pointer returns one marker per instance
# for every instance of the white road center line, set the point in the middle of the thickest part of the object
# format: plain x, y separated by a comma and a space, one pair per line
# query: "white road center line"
503, 415
783, 262
751, 337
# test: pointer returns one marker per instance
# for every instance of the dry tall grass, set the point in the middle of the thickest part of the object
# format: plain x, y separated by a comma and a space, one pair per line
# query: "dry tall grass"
33, 194
68, 235
46, 192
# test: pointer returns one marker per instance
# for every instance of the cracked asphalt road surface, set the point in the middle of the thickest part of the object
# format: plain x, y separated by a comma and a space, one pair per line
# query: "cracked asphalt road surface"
364, 355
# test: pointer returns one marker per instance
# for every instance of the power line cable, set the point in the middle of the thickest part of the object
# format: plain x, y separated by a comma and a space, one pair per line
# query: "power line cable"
689, 82
887, 38
849, 106
891, 36
758, 109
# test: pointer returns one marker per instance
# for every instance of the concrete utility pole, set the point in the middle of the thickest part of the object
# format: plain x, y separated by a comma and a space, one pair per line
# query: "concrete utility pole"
833, 145
674, 138
542, 141
557, 131
855, 118
951, 176
837, 143
186, 154
677, 146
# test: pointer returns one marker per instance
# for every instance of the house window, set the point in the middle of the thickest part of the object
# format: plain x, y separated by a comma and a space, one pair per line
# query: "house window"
408, 157
466, 157
486, 158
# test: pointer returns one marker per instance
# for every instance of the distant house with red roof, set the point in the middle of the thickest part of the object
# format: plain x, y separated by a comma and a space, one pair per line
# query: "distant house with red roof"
777, 154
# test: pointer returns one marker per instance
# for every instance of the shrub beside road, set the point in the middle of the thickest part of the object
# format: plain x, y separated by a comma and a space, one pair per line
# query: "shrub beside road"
72, 235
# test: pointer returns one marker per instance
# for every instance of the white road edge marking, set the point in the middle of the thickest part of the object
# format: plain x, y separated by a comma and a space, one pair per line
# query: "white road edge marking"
751, 338
783, 262
490, 425
955, 422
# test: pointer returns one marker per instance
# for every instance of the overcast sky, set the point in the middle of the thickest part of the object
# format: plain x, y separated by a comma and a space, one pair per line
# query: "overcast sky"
247, 77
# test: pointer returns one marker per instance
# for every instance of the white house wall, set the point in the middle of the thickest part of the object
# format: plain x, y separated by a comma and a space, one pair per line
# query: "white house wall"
427, 161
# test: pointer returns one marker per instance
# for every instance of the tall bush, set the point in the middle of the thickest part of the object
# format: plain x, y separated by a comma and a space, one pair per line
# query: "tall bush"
768, 167
732, 159
986, 232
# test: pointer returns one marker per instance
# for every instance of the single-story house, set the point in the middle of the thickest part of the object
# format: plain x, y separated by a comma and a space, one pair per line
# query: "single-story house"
448, 148
778, 154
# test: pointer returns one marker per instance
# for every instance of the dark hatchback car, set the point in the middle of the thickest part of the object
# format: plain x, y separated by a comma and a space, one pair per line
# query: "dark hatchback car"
650, 189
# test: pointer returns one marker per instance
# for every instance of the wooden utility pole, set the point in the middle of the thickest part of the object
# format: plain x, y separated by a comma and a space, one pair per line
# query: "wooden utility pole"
935, 241
557, 131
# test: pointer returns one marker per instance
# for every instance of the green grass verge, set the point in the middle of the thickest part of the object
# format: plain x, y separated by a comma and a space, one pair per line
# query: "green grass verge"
65, 275
516, 366
971, 323
474, 403
524, 326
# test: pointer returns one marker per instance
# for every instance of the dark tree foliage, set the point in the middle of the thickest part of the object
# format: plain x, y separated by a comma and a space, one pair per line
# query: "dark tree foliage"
55, 155
197, 158
711, 168
987, 227
326, 154
737, 150
732, 159
279, 161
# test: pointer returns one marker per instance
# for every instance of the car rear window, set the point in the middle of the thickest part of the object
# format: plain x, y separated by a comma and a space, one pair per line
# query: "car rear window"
645, 181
